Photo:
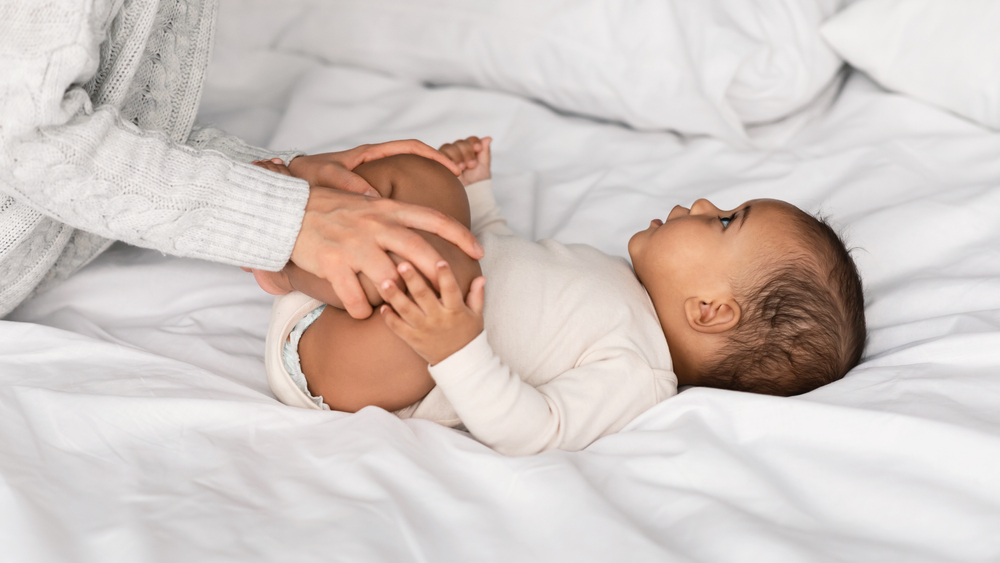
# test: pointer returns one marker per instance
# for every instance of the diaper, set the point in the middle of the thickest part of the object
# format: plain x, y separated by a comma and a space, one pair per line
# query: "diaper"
291, 314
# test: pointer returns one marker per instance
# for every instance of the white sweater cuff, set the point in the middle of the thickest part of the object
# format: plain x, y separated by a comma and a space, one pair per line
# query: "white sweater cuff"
257, 224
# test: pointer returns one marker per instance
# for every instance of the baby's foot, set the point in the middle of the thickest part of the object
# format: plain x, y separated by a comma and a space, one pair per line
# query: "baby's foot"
275, 283
472, 155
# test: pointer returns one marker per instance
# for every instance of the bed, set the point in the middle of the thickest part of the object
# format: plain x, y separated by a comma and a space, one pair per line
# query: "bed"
136, 423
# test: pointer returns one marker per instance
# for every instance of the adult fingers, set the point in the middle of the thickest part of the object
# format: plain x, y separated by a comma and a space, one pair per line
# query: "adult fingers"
266, 165
343, 234
432, 221
408, 246
348, 289
343, 179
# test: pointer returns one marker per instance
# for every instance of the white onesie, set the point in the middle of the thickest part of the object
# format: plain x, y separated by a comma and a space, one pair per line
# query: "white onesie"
572, 349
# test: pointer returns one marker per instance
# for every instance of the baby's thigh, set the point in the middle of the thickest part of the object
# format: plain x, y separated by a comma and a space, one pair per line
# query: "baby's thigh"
420, 181
356, 363
409, 179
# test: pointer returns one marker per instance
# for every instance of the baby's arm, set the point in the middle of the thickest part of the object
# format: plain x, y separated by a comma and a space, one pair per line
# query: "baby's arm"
567, 413
496, 405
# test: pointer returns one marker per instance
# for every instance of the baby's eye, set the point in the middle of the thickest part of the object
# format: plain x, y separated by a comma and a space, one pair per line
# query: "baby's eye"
727, 220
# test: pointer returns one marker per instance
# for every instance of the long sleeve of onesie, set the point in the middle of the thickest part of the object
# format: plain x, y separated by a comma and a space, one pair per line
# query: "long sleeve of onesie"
484, 211
515, 418
604, 386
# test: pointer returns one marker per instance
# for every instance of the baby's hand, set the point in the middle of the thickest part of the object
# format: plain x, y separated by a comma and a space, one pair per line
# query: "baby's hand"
434, 328
472, 155
274, 165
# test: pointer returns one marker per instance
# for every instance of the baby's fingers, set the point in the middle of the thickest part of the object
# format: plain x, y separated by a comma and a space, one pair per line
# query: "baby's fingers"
423, 295
468, 151
451, 293
477, 295
396, 324
401, 304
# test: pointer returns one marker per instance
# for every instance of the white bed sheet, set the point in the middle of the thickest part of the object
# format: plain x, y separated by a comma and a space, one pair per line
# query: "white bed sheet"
136, 423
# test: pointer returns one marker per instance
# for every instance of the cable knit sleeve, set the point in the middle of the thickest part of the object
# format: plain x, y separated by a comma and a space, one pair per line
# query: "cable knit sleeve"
207, 137
103, 175
91, 169
567, 413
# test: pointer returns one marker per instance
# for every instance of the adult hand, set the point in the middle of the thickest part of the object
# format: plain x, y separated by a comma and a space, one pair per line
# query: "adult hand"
333, 169
344, 234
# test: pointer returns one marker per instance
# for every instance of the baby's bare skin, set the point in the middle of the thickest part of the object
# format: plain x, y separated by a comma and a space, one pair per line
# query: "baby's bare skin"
356, 363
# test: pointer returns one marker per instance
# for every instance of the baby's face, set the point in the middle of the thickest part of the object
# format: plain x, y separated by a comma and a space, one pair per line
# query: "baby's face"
695, 250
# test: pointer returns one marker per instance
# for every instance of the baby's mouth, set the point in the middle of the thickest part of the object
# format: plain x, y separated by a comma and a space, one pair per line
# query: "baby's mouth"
678, 211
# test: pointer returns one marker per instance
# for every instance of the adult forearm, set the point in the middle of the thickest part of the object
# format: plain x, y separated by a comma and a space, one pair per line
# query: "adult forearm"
100, 174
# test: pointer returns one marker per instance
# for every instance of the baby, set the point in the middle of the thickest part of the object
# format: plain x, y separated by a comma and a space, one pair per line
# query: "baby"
568, 344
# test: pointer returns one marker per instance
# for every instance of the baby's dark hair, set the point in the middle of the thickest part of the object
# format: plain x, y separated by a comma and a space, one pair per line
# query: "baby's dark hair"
802, 323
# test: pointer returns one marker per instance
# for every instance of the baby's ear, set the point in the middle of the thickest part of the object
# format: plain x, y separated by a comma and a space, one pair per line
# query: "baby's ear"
712, 315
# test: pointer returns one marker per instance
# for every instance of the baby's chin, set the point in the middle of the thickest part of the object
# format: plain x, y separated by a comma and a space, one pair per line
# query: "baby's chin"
632, 245
633, 251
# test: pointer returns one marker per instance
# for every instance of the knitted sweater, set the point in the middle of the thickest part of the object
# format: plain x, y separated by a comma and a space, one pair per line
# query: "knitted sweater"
98, 143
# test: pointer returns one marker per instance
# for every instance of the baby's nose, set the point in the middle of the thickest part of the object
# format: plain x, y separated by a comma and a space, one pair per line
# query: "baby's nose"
703, 206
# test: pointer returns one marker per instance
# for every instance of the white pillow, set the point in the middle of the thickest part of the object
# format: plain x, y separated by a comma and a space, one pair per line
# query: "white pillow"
945, 52
694, 66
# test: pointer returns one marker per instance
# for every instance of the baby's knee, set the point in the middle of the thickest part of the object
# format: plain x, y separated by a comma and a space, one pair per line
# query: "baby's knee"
406, 164
420, 181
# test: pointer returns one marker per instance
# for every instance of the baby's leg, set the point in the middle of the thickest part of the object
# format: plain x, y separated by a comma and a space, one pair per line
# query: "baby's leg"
356, 363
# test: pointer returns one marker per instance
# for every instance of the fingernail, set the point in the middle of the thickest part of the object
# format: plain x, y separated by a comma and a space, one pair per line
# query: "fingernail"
404, 267
372, 193
479, 248
386, 284
442, 264
383, 309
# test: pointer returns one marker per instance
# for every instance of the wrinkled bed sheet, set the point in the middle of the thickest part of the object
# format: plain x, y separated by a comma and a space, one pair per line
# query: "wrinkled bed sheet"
136, 423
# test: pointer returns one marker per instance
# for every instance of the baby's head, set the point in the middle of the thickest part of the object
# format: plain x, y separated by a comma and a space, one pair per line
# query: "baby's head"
762, 298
